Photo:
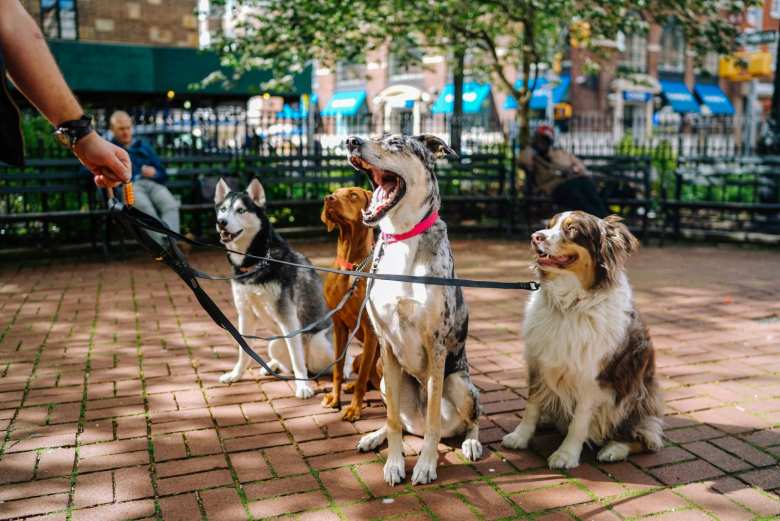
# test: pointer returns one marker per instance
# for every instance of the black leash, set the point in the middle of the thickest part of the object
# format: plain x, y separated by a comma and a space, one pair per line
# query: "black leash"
135, 222
139, 218
128, 217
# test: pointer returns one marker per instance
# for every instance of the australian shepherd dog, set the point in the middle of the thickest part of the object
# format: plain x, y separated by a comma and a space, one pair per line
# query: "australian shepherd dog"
591, 364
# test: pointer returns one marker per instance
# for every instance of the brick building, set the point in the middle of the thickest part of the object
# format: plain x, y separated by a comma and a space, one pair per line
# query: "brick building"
151, 22
142, 53
644, 78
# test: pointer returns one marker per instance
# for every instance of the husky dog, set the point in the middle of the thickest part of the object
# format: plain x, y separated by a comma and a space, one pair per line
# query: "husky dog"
421, 329
283, 297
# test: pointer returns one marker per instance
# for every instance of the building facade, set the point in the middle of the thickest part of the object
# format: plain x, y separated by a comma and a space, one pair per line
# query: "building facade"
643, 80
147, 22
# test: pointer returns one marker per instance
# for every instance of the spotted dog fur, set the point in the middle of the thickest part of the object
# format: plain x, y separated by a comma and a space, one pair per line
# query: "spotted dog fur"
283, 297
591, 363
421, 329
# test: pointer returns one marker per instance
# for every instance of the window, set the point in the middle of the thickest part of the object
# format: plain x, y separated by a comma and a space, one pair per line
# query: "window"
710, 63
350, 73
59, 19
635, 53
408, 69
672, 48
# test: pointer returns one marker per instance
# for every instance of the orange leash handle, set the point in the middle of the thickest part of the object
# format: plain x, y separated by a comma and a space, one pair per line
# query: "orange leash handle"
129, 194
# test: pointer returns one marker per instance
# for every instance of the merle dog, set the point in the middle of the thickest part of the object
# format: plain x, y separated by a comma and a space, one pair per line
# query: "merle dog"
283, 297
421, 328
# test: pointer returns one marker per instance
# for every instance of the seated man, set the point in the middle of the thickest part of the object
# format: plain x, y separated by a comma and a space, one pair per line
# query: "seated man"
560, 174
149, 176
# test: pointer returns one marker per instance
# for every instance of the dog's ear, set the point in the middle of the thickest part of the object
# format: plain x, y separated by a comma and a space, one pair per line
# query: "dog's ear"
617, 243
326, 220
256, 192
620, 236
437, 146
220, 191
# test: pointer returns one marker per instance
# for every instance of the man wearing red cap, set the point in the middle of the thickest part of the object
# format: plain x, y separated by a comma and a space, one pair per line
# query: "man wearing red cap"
560, 174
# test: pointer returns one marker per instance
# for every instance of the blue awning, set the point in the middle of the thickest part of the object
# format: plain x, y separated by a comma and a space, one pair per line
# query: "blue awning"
474, 97
301, 111
715, 99
539, 96
347, 103
679, 97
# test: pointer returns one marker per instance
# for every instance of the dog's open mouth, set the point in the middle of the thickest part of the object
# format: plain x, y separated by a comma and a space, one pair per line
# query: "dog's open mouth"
545, 260
389, 188
225, 236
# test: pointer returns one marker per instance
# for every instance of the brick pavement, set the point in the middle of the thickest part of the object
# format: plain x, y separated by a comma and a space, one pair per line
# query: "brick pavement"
111, 407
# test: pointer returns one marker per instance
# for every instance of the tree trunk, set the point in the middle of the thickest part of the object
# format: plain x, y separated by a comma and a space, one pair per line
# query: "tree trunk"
523, 107
456, 124
775, 112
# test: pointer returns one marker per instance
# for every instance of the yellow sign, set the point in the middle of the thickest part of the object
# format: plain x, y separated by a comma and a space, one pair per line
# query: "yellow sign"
744, 66
562, 111
579, 34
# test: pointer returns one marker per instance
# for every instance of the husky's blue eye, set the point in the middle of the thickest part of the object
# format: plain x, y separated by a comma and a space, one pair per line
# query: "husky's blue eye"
221, 210
241, 210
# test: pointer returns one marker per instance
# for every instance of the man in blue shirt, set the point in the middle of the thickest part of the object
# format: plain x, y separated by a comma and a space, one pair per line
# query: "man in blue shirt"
149, 176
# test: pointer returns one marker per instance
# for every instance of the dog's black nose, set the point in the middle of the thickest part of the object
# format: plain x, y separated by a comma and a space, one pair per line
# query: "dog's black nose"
221, 223
537, 237
353, 143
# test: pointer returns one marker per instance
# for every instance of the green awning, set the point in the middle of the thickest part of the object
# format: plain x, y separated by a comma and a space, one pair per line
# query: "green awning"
97, 67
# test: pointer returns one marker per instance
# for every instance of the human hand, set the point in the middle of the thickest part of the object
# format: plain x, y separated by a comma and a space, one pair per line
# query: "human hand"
109, 163
148, 171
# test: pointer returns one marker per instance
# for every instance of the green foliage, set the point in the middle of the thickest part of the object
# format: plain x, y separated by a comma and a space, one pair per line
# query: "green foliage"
39, 140
661, 155
501, 36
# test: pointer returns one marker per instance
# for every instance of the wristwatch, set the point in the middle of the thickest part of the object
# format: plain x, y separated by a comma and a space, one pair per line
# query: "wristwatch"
69, 132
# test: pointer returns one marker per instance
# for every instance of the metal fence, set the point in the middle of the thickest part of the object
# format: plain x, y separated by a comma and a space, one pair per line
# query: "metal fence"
234, 130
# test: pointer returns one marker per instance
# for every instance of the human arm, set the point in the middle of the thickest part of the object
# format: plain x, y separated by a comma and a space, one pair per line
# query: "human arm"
153, 167
35, 73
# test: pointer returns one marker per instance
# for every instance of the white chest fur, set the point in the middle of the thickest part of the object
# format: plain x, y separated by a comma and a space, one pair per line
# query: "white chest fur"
402, 313
260, 299
573, 331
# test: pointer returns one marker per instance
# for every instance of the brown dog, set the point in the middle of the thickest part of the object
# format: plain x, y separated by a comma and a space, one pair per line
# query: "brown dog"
342, 209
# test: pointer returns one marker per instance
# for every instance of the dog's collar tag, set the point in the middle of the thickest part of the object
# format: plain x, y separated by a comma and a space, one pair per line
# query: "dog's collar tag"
419, 228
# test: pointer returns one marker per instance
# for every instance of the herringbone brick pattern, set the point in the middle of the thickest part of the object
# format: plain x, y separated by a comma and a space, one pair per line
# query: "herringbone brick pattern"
111, 408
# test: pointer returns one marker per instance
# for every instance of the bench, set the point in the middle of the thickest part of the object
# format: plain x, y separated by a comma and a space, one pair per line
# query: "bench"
624, 183
33, 200
726, 198
49, 202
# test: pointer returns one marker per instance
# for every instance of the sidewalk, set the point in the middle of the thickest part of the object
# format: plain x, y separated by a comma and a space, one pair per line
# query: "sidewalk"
111, 406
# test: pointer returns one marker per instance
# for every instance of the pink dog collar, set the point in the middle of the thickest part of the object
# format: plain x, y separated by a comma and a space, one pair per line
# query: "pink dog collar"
419, 228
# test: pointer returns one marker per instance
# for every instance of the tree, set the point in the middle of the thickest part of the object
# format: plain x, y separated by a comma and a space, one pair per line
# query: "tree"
500, 36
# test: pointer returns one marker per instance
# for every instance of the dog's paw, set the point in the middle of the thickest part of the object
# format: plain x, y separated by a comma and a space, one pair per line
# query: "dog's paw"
349, 388
330, 401
303, 391
274, 365
424, 470
371, 440
472, 449
351, 413
394, 470
517, 439
613, 451
229, 378
563, 459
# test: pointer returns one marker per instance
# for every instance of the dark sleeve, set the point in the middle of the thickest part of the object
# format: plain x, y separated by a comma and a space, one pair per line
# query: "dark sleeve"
154, 160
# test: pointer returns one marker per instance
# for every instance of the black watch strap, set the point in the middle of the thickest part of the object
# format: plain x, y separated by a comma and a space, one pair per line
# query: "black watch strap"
69, 132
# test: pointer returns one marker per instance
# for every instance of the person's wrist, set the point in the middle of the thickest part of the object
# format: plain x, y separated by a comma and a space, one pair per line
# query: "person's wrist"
70, 132
85, 139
